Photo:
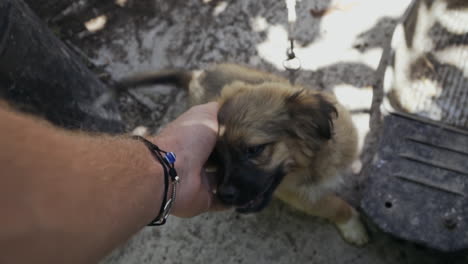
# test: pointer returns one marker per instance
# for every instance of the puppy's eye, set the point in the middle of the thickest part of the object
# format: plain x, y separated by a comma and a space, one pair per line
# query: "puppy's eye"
254, 151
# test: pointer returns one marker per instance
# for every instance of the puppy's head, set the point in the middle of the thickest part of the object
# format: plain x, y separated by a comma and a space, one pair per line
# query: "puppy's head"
263, 129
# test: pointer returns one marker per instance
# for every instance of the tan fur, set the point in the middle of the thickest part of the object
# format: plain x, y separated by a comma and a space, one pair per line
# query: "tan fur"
313, 175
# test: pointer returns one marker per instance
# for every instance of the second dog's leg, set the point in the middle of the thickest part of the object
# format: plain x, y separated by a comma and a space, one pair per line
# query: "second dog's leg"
335, 209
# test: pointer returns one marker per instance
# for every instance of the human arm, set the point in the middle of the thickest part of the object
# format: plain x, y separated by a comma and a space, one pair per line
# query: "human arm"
71, 197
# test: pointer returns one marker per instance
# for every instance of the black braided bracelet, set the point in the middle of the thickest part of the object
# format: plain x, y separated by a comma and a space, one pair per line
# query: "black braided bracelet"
167, 162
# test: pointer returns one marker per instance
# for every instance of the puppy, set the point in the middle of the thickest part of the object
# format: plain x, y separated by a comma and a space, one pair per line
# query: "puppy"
274, 139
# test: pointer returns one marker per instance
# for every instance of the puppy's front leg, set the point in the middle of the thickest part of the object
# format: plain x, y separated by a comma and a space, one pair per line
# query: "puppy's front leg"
344, 216
333, 208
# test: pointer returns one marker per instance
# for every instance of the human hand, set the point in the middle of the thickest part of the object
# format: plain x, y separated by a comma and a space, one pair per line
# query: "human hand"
192, 137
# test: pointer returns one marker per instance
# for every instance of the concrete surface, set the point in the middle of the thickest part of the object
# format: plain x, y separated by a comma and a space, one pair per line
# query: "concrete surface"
339, 45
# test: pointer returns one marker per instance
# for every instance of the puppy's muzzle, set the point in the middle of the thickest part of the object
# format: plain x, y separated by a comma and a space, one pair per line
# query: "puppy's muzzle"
228, 194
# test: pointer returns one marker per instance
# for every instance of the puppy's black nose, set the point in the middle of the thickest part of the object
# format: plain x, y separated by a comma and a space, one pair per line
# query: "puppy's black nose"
228, 194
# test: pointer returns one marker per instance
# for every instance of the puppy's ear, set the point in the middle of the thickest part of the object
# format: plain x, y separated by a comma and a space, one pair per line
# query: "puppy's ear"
311, 115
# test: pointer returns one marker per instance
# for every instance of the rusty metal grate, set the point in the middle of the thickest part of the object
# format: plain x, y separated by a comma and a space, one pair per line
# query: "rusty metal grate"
418, 183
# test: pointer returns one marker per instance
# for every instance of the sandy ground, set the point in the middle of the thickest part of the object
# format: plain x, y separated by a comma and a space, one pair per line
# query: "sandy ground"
339, 44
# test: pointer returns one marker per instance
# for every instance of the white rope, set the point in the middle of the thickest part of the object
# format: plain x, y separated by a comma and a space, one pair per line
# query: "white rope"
292, 17
292, 64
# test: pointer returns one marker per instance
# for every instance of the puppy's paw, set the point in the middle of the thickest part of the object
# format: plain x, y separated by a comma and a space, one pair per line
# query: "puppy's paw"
353, 231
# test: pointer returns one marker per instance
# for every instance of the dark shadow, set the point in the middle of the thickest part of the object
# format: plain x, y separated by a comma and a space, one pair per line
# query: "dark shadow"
355, 74
377, 36
39, 75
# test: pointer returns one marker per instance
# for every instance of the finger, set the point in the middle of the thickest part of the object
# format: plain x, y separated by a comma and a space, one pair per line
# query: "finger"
210, 108
208, 114
211, 179
210, 183
215, 204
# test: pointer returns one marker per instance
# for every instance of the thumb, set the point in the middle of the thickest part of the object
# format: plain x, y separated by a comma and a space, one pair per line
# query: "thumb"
209, 114
208, 129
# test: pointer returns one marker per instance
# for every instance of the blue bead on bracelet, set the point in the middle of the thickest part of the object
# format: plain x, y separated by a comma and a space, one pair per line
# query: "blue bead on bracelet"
170, 157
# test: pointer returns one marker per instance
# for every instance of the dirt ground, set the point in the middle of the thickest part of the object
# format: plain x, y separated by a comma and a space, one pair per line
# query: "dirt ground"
339, 44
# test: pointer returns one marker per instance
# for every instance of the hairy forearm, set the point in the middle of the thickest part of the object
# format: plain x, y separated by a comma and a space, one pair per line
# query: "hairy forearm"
68, 197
